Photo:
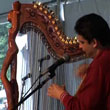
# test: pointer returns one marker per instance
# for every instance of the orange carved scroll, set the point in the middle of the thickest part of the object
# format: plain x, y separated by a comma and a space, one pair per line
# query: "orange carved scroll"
39, 18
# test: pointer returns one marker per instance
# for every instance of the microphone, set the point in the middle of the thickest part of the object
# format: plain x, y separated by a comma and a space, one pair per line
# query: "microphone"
59, 62
27, 76
44, 58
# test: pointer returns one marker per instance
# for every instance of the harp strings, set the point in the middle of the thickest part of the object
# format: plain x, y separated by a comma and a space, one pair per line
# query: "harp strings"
65, 74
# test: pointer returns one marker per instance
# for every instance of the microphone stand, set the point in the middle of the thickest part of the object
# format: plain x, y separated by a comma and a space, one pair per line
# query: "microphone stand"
52, 74
40, 68
23, 83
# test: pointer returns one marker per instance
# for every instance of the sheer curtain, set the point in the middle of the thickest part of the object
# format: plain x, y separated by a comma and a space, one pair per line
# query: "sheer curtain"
77, 9
23, 69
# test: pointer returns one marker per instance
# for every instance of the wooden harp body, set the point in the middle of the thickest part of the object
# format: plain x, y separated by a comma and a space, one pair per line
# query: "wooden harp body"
41, 19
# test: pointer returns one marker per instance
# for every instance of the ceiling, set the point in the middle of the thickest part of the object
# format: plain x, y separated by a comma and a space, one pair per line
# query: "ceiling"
6, 5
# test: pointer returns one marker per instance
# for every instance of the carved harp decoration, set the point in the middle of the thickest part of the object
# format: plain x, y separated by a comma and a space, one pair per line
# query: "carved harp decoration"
38, 17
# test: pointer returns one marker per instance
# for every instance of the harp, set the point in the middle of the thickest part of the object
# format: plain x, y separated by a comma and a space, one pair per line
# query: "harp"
38, 17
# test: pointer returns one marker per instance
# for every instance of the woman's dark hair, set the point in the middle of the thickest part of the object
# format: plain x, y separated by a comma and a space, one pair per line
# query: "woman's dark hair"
93, 26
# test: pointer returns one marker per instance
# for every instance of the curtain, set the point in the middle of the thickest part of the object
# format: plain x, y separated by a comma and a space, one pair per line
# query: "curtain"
77, 9
23, 69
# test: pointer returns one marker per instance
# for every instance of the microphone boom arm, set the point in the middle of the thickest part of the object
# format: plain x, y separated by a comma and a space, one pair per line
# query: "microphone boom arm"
38, 87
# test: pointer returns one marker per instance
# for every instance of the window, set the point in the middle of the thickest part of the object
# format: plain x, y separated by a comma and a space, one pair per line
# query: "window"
3, 49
